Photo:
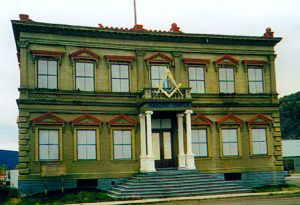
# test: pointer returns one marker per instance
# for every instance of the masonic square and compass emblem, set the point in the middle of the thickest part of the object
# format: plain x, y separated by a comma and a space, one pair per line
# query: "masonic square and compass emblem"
168, 85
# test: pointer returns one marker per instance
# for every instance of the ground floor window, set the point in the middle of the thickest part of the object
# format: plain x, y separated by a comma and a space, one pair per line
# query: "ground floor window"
259, 141
48, 141
230, 142
199, 142
122, 144
86, 144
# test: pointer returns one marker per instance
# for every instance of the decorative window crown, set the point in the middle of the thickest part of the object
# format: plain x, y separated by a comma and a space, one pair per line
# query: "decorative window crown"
227, 60
259, 119
48, 119
84, 54
123, 120
86, 119
201, 120
159, 58
230, 119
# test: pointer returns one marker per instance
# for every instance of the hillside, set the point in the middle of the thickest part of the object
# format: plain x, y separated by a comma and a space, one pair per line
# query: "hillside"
9, 158
290, 116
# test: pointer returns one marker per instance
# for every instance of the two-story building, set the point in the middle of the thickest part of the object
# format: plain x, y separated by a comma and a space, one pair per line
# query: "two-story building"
100, 104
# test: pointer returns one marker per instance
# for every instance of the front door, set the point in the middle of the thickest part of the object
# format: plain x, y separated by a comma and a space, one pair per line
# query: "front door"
162, 148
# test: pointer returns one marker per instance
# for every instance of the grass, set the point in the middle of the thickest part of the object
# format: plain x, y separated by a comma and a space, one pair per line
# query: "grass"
282, 187
56, 197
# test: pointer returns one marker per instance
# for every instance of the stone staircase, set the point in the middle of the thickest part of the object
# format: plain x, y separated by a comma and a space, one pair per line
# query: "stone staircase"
174, 183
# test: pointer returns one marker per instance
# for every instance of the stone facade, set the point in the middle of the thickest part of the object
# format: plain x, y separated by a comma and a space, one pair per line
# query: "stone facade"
67, 109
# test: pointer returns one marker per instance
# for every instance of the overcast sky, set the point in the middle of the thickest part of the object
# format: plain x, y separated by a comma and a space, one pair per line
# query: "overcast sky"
234, 17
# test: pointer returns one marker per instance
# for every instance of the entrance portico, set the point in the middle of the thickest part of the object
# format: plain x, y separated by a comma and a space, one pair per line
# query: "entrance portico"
157, 143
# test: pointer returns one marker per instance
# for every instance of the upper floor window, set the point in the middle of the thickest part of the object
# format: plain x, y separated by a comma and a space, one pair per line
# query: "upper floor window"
85, 76
47, 74
157, 74
226, 79
120, 77
48, 144
86, 144
255, 79
196, 79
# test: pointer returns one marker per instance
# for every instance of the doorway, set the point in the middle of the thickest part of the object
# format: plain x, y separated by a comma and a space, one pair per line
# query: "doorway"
163, 143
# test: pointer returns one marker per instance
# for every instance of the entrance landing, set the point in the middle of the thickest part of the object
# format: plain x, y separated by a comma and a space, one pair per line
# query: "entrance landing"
174, 183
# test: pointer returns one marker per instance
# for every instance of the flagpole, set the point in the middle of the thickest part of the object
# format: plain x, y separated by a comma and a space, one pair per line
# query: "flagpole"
135, 18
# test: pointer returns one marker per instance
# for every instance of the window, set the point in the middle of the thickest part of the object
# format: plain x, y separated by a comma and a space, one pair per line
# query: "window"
157, 74
199, 142
259, 141
255, 78
226, 79
230, 142
48, 144
85, 76
122, 144
86, 144
47, 74
196, 79
120, 77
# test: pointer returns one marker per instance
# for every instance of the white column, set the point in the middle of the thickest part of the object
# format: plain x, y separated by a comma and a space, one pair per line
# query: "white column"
150, 166
190, 161
143, 157
181, 155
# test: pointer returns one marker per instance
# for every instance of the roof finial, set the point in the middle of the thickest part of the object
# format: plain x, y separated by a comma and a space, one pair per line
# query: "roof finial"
269, 33
25, 18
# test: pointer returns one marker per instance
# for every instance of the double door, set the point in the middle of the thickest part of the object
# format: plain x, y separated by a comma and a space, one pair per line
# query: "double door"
163, 148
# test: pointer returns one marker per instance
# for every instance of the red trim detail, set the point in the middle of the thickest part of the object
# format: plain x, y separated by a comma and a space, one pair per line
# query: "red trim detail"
75, 55
47, 53
196, 61
205, 120
119, 58
115, 120
265, 120
136, 27
79, 120
39, 120
230, 116
227, 57
166, 58
254, 62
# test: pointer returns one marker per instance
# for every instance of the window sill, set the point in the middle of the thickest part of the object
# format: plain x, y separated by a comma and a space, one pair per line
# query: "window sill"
231, 157
123, 161
202, 158
260, 156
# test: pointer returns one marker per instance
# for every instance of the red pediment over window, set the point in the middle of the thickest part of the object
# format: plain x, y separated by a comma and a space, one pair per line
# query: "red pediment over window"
201, 120
123, 120
85, 54
159, 58
48, 119
254, 62
196, 61
230, 119
119, 58
259, 119
41, 53
86, 119
227, 60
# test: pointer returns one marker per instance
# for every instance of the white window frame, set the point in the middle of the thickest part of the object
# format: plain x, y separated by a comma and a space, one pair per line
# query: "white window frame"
161, 74
84, 76
120, 79
196, 80
198, 143
46, 75
58, 145
256, 81
122, 145
227, 81
86, 145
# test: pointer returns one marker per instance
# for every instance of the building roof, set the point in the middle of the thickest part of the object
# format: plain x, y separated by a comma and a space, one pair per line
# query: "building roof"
291, 148
140, 33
